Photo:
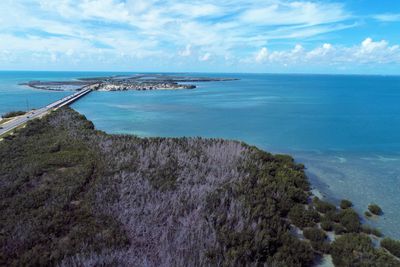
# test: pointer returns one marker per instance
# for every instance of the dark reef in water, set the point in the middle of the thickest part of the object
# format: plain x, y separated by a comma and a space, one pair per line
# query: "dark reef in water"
71, 195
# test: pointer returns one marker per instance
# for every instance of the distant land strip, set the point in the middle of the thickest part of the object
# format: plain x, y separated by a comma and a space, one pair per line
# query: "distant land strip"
139, 82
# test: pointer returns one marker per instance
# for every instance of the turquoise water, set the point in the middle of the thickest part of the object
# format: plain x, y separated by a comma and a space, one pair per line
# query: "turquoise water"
346, 129
16, 97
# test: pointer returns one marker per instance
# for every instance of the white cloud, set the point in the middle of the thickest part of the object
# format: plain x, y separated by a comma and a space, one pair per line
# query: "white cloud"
53, 57
196, 10
322, 51
389, 17
367, 52
262, 55
205, 57
298, 49
105, 9
218, 27
369, 46
225, 31
295, 13
377, 52
187, 51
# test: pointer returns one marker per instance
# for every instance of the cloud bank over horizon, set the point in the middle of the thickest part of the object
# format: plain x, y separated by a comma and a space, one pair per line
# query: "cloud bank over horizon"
171, 35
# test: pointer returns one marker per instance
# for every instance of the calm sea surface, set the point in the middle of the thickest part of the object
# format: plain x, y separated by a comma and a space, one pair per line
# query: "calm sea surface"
346, 129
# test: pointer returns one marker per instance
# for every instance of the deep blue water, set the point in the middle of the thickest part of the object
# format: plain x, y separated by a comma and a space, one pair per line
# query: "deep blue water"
346, 129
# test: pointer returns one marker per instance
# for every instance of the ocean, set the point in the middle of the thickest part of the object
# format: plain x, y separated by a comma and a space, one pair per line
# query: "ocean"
344, 128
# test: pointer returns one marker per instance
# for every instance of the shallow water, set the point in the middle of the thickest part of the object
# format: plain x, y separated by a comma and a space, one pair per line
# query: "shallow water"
16, 97
346, 129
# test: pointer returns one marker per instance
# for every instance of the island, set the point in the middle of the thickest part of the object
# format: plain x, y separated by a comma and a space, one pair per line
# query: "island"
72, 195
140, 82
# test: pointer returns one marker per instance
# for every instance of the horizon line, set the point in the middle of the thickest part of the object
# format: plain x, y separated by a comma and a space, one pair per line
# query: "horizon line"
212, 72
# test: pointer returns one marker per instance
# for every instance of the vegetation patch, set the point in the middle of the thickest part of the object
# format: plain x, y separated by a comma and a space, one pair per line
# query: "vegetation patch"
368, 214
302, 217
323, 206
357, 250
326, 225
12, 114
317, 238
350, 220
45, 205
75, 196
338, 229
2, 121
393, 246
375, 209
371, 231
345, 204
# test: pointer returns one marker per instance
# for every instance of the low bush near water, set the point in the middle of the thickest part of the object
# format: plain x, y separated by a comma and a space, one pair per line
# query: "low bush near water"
74, 196
393, 246
345, 204
12, 114
375, 209
357, 250
323, 206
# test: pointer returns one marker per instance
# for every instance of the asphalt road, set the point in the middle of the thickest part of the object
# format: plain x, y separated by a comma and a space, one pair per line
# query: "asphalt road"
33, 114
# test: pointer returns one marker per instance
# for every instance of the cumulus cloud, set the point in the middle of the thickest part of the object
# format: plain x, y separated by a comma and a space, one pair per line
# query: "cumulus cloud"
100, 31
219, 27
369, 46
187, 51
377, 52
205, 57
322, 51
367, 52
262, 55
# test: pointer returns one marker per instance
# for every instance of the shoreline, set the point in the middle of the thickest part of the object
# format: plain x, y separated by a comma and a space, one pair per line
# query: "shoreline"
271, 191
318, 180
139, 82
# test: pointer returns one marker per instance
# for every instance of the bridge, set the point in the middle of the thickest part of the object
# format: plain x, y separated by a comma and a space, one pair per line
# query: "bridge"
38, 113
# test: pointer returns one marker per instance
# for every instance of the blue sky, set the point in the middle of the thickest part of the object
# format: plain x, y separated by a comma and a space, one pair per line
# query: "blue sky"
283, 36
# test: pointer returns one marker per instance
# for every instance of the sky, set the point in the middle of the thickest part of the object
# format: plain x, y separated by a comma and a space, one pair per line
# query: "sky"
263, 36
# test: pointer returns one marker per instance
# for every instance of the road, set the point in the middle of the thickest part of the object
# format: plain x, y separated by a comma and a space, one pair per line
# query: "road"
38, 113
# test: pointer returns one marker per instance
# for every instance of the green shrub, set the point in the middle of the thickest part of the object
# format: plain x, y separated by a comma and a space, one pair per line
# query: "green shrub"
323, 206
357, 250
64, 188
293, 253
332, 216
314, 234
339, 229
345, 204
326, 225
265, 239
302, 217
375, 209
350, 220
317, 239
368, 214
371, 231
323, 247
393, 246
12, 114
43, 171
